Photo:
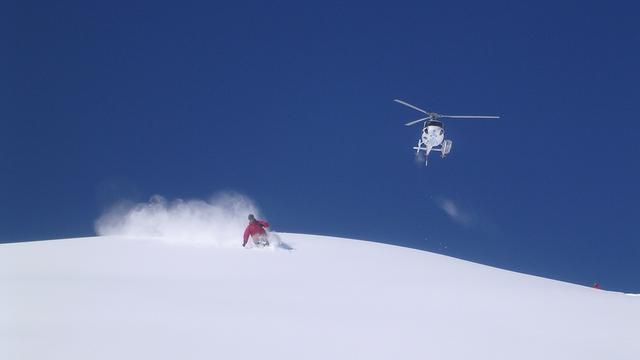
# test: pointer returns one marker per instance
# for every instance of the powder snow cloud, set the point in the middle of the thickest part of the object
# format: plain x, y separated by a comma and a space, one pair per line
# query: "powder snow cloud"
454, 212
220, 221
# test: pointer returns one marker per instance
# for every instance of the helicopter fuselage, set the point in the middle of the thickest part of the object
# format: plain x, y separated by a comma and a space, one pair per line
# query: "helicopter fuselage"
432, 134
432, 139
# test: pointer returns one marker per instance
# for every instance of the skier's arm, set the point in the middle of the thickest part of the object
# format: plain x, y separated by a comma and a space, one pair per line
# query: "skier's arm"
264, 223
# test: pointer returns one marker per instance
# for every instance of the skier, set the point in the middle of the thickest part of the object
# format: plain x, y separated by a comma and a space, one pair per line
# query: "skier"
255, 229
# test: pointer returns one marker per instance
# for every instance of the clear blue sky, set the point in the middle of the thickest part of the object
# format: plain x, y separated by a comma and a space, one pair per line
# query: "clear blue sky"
291, 104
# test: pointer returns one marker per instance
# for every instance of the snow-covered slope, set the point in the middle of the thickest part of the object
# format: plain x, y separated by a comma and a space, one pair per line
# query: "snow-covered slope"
329, 298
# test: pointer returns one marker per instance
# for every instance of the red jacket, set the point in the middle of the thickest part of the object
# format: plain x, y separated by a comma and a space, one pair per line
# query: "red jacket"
254, 228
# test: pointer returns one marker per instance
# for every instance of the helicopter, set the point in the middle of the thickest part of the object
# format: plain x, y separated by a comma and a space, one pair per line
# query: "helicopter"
432, 138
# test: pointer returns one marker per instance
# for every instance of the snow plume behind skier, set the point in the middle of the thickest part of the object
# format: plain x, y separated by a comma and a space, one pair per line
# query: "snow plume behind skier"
214, 222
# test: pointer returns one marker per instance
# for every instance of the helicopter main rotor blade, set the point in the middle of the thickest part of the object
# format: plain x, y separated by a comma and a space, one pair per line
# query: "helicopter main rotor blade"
409, 105
416, 121
468, 116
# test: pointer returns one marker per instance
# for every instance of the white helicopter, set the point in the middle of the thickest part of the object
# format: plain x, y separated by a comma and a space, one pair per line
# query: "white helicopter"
432, 138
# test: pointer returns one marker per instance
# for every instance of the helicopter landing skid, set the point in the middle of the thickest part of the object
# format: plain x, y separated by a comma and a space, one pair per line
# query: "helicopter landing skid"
425, 149
444, 149
419, 147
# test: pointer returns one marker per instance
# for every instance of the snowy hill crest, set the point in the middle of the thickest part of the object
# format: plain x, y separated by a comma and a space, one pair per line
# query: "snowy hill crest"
113, 297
